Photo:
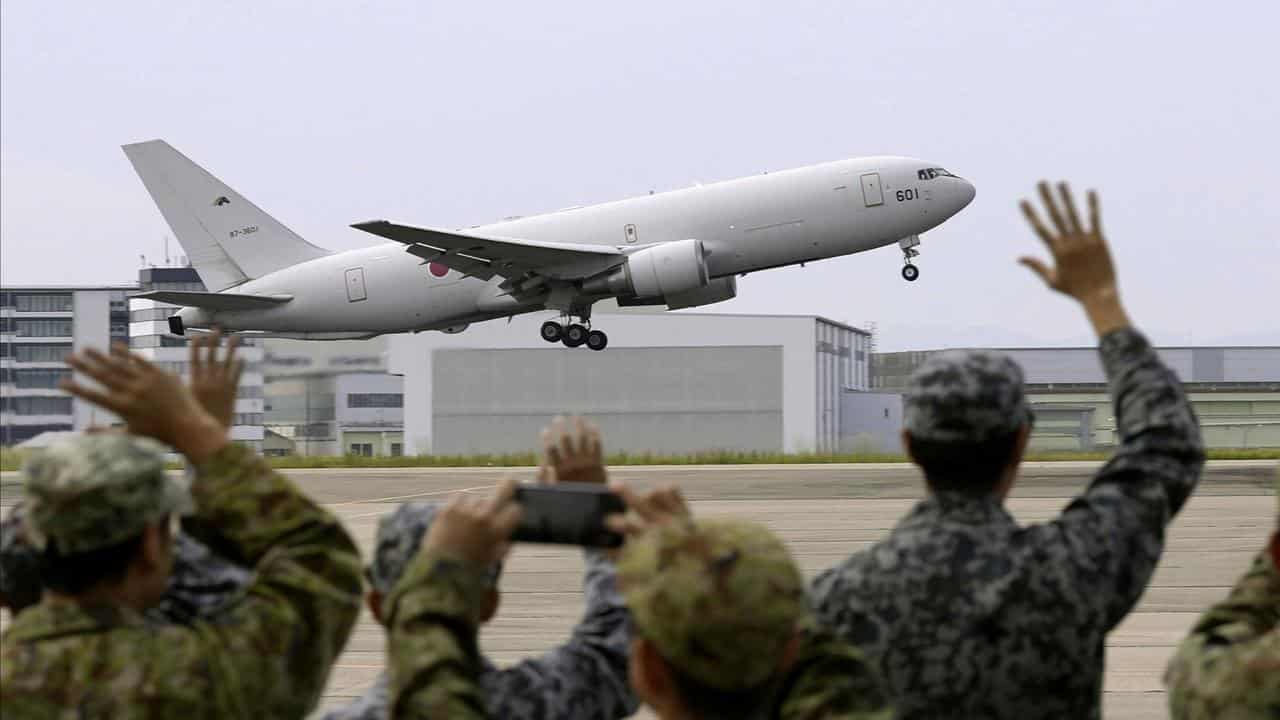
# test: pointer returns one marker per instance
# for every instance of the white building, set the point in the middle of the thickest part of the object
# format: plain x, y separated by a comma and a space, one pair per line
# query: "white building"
668, 383
149, 336
332, 398
39, 327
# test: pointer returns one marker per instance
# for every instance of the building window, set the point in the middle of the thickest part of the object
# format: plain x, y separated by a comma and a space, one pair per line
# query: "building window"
39, 378
397, 450
14, 434
362, 449
40, 352
43, 302
42, 327
247, 419
375, 400
36, 405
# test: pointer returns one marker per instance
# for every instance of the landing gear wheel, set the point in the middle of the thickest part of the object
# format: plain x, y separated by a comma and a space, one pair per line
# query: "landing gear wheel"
910, 272
597, 340
552, 331
574, 335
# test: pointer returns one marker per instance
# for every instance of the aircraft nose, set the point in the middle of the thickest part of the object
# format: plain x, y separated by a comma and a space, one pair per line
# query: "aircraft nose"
964, 193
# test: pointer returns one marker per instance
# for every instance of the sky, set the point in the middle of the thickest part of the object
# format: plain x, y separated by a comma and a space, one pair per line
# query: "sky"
457, 114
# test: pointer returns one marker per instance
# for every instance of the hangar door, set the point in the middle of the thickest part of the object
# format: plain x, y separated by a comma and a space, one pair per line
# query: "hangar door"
663, 400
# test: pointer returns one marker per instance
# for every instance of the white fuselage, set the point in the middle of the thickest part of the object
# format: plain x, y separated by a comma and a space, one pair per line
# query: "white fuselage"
748, 224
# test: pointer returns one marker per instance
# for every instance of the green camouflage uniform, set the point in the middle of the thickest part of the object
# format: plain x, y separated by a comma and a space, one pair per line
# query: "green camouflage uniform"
267, 655
721, 598
1229, 666
431, 639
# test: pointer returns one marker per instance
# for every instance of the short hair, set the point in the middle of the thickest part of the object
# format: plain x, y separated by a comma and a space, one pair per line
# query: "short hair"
78, 573
712, 703
964, 466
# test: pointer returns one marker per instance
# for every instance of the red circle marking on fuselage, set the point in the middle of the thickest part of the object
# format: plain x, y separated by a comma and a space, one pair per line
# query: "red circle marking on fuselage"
438, 269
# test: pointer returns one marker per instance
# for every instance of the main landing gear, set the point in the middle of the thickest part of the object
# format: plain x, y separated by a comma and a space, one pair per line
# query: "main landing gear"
574, 335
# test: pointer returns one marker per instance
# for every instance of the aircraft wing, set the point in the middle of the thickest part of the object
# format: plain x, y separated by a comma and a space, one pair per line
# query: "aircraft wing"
484, 257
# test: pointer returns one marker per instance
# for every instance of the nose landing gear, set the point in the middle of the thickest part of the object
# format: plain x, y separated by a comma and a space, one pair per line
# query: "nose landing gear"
908, 244
573, 335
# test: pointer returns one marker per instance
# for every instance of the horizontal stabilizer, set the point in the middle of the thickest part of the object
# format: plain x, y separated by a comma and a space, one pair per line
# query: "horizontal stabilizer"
215, 301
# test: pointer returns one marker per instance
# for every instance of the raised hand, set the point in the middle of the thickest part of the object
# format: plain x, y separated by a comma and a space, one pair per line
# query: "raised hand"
152, 402
1082, 261
571, 455
214, 382
477, 531
647, 510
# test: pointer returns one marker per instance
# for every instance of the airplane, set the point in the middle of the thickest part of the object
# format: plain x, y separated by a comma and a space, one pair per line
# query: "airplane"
684, 248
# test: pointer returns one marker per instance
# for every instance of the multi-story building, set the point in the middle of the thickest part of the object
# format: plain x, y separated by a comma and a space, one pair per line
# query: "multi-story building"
149, 336
332, 398
39, 327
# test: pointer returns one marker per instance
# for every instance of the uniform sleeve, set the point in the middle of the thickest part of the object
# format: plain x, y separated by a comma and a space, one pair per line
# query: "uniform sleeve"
1113, 534
434, 663
1231, 659
831, 679
273, 648
584, 678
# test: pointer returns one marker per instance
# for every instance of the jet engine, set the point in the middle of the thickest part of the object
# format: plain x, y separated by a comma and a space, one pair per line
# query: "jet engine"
718, 290
454, 329
659, 271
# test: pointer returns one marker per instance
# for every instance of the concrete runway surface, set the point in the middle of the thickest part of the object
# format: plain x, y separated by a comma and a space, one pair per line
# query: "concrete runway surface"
824, 512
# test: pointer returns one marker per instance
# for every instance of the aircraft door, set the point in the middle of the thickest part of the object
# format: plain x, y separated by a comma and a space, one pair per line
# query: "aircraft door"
355, 285
872, 193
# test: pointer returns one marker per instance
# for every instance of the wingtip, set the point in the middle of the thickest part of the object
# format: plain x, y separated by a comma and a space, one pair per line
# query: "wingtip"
365, 225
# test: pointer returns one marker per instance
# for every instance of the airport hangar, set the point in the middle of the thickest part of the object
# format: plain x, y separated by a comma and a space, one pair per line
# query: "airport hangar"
668, 383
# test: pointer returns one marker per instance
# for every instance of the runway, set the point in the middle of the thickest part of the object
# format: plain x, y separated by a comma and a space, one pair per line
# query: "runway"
824, 512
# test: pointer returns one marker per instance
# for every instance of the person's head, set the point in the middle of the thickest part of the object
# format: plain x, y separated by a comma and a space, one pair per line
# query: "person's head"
967, 421
716, 606
396, 543
98, 509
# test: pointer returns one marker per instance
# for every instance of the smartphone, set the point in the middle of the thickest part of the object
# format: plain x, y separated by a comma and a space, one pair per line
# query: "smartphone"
567, 514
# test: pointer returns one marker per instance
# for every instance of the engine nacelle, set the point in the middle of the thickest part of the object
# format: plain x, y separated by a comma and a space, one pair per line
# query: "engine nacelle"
455, 329
659, 271
718, 290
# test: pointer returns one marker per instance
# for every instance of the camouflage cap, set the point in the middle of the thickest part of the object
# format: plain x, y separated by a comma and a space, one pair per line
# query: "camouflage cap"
966, 396
719, 598
398, 538
94, 491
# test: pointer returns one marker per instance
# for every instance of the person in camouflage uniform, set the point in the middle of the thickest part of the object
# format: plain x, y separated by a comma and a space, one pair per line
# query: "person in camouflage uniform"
583, 679
201, 585
969, 614
721, 625
1229, 666
98, 511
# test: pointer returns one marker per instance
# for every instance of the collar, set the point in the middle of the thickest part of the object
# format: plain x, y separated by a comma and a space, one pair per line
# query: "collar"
961, 507
48, 620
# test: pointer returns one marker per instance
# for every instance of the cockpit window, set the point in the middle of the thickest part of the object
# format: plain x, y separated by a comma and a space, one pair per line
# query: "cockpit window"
931, 173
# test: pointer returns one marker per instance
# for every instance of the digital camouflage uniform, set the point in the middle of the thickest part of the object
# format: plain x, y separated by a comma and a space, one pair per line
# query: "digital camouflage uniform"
583, 679
1228, 668
201, 585
968, 614
266, 655
721, 598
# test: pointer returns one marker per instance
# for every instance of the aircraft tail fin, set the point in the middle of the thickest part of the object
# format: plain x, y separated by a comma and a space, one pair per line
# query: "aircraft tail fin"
227, 238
